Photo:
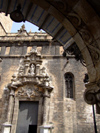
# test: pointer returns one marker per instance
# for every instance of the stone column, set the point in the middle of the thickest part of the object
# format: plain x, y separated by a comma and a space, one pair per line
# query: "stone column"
92, 95
46, 127
45, 112
7, 125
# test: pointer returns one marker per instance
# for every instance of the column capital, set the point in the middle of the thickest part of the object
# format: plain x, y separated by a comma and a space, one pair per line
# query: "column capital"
92, 95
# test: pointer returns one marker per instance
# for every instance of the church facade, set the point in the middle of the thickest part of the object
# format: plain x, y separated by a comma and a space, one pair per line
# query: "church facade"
40, 90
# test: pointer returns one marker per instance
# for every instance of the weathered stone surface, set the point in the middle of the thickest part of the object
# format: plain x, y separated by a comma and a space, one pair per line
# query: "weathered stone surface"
66, 114
4, 21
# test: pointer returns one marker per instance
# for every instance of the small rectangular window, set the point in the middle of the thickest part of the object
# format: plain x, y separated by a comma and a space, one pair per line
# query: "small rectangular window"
7, 51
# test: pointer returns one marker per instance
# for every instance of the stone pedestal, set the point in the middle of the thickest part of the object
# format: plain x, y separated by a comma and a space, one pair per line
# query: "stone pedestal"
7, 127
46, 129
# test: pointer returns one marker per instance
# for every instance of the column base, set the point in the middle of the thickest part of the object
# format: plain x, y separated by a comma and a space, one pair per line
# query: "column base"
6, 127
46, 128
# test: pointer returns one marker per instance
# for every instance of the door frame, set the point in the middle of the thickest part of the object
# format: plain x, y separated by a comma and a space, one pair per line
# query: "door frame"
16, 111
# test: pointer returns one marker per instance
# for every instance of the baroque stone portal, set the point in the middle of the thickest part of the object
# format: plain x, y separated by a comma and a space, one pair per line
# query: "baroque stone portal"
29, 83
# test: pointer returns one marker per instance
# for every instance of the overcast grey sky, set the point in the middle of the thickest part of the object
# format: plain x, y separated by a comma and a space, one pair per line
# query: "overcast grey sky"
28, 26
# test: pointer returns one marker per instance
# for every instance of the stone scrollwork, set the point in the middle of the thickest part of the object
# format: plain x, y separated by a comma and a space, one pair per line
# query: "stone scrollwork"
28, 92
60, 4
74, 50
87, 37
74, 18
95, 54
92, 95
91, 44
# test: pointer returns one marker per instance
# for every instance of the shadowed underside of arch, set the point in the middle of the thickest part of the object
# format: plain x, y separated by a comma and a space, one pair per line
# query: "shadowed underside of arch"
67, 21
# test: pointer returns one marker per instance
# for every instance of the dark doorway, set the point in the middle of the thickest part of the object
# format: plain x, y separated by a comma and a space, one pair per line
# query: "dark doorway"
32, 129
27, 117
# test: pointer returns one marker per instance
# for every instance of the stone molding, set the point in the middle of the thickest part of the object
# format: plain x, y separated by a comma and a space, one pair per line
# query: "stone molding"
14, 37
92, 95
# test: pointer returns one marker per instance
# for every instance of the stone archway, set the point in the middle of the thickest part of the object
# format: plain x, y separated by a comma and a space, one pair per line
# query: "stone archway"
75, 19
78, 19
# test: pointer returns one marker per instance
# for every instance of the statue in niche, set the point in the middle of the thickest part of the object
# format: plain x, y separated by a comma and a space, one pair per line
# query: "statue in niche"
32, 70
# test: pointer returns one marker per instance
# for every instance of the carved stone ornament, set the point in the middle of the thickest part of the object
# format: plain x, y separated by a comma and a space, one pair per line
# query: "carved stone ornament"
29, 92
30, 72
60, 5
75, 19
91, 44
87, 37
74, 50
92, 93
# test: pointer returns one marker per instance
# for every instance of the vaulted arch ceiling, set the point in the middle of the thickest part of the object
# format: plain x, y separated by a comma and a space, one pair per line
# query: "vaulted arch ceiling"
64, 20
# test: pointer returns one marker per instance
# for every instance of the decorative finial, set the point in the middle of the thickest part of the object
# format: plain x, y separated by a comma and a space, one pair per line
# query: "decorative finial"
23, 27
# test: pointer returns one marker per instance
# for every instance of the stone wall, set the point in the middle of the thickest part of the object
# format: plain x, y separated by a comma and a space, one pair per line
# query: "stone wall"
2, 31
67, 115
4, 20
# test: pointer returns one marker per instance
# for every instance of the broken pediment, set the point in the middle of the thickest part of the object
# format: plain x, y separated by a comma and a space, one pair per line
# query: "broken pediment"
30, 74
